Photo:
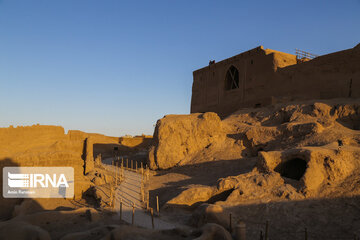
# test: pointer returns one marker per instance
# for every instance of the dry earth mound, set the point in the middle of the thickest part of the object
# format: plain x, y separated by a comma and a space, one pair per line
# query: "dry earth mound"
302, 149
179, 137
305, 153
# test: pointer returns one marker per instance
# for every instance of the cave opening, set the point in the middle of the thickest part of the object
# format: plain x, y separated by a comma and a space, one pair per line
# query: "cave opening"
293, 168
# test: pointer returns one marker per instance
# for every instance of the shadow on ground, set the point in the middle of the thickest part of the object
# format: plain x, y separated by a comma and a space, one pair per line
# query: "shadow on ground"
167, 184
334, 218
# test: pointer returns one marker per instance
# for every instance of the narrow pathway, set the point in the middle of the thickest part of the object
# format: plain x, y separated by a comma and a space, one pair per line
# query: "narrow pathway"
129, 191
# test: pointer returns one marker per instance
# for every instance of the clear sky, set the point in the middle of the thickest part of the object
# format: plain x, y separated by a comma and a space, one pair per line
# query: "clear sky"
115, 67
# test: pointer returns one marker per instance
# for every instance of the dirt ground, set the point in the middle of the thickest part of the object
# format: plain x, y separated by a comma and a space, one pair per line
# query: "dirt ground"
169, 183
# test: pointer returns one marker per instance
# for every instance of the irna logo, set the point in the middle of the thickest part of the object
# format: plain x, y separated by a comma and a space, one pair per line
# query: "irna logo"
38, 182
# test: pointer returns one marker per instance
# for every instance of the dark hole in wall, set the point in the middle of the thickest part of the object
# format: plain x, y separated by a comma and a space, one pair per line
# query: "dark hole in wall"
257, 105
83, 155
293, 168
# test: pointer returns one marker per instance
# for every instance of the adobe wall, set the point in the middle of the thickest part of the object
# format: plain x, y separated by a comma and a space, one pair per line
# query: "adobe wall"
13, 140
139, 142
268, 76
335, 75
40, 145
126, 146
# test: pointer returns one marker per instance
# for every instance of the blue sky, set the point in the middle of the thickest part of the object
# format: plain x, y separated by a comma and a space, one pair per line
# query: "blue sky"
115, 67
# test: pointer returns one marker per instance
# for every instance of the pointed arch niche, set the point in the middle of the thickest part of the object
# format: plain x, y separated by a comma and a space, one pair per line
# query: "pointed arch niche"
232, 78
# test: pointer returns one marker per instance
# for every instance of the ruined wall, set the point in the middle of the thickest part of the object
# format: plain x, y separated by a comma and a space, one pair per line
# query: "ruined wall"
48, 146
21, 139
267, 77
40, 146
177, 138
330, 76
89, 140
140, 142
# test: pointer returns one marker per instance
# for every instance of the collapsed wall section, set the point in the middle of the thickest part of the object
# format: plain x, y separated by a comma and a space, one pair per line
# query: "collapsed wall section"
178, 137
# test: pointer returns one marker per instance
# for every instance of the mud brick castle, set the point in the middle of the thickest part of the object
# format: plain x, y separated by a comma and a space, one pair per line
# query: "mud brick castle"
261, 77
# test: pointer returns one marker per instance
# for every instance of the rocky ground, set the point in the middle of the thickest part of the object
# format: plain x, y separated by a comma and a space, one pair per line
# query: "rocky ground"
292, 167
295, 166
